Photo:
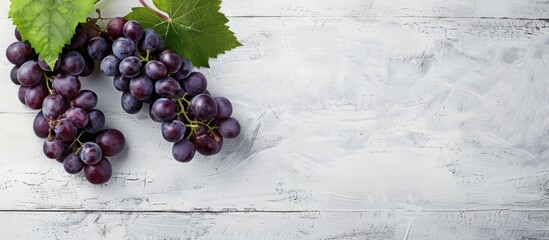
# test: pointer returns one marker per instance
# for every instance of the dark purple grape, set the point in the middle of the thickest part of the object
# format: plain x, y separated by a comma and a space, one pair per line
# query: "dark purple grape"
183, 151
22, 91
96, 121
98, 48
224, 108
90, 153
99, 173
150, 41
121, 83
53, 148
155, 69
91, 29
111, 141
195, 84
218, 139
89, 67
77, 116
40, 126
66, 85
72, 63
13, 75
130, 104
123, 48
203, 107
185, 70
141, 87
151, 114
206, 145
17, 35
229, 128
19, 53
109, 66
167, 87
133, 30
53, 106
171, 60
115, 27
164, 109
78, 41
34, 96
173, 131
73, 164
30, 74
160, 48
65, 131
86, 100
130, 67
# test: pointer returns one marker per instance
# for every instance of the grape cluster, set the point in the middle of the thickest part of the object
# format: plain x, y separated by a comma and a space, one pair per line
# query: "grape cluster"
147, 73
72, 127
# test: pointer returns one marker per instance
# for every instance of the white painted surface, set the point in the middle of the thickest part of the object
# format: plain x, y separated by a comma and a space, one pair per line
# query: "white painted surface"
361, 120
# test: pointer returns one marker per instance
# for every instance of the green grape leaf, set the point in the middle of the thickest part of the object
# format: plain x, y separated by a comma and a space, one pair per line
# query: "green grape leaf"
49, 24
193, 28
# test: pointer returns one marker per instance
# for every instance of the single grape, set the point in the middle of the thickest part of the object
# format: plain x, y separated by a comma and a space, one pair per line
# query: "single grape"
206, 145
195, 84
130, 67
151, 114
72, 63
224, 108
111, 141
167, 87
203, 107
164, 109
73, 164
133, 30
34, 96
89, 67
30, 74
66, 85
46, 67
130, 104
173, 131
99, 173
98, 48
121, 83
155, 69
17, 35
229, 128
115, 27
65, 131
150, 41
183, 151
77, 116
171, 60
185, 70
90, 153
53, 106
22, 91
13, 75
40, 126
96, 121
78, 41
123, 48
141, 87
109, 66
19, 53
86, 100
53, 148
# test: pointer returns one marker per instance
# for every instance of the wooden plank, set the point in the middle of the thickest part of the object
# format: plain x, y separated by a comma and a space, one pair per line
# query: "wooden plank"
353, 8
264, 225
402, 113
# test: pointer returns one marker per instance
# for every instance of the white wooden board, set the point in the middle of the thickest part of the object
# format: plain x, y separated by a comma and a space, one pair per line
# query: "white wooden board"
361, 120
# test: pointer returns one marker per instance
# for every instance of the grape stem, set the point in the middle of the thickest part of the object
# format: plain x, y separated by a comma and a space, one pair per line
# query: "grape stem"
77, 140
192, 124
49, 80
160, 14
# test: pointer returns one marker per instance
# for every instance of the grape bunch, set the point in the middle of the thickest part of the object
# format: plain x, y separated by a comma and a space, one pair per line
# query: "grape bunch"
72, 127
146, 73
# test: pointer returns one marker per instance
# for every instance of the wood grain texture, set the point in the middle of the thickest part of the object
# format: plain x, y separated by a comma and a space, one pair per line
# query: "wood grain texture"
361, 120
